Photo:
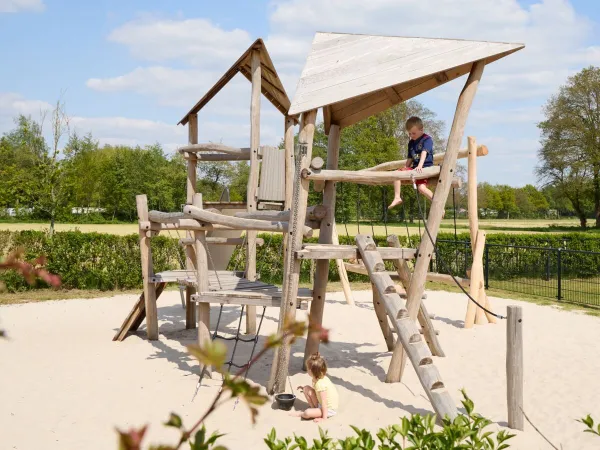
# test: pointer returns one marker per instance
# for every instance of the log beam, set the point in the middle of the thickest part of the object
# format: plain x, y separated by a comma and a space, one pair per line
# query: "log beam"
482, 150
237, 223
369, 178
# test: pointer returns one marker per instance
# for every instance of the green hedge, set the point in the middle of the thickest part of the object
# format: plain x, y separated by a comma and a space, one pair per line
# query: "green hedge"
88, 260
110, 262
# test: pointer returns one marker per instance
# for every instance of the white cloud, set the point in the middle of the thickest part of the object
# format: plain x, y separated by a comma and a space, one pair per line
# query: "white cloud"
134, 131
194, 41
12, 6
556, 39
12, 105
552, 31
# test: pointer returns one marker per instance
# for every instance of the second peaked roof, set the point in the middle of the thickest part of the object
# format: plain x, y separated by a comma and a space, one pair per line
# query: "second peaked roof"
271, 85
361, 75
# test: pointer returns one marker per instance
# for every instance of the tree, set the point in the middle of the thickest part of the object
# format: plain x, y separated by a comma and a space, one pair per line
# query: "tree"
52, 168
570, 152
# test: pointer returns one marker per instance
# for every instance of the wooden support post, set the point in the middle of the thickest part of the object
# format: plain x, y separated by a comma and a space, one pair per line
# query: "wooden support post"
147, 272
325, 237
473, 211
342, 271
288, 143
190, 253
514, 367
398, 362
253, 181
291, 273
476, 279
417, 285
382, 319
202, 282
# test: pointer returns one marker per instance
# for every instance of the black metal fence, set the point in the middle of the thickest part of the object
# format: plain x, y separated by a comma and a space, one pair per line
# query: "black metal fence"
558, 273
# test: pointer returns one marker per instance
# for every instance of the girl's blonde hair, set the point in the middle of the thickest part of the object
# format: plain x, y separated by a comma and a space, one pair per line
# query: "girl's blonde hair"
317, 365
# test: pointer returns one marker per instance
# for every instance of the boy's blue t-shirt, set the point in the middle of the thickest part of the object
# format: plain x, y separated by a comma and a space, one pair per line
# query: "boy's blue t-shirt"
415, 147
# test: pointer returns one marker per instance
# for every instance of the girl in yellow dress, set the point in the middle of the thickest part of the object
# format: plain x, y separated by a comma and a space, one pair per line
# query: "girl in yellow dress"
322, 396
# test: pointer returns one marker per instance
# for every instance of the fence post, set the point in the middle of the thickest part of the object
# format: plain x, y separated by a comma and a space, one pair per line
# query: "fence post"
514, 367
559, 276
486, 267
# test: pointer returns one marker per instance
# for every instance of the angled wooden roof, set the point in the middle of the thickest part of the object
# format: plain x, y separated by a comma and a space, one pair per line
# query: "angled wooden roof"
355, 76
271, 86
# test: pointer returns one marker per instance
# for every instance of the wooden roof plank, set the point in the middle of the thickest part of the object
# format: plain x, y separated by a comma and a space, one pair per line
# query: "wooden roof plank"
344, 66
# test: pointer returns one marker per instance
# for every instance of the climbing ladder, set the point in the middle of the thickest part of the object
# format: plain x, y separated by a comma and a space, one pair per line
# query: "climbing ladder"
408, 334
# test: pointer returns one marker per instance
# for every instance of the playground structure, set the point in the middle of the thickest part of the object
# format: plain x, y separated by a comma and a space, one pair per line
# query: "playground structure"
351, 77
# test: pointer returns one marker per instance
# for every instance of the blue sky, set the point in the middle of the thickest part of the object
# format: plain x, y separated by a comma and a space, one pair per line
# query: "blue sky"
128, 71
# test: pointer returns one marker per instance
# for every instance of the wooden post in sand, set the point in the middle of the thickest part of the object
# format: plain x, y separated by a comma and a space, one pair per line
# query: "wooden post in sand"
190, 255
325, 237
473, 212
147, 271
253, 181
514, 367
202, 279
476, 279
291, 273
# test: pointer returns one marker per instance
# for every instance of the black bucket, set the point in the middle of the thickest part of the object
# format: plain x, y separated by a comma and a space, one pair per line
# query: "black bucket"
285, 401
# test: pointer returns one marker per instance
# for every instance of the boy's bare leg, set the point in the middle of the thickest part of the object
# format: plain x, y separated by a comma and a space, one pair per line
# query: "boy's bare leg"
397, 199
423, 189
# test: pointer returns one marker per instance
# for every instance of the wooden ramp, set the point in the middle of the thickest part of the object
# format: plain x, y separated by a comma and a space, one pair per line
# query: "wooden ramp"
137, 315
408, 334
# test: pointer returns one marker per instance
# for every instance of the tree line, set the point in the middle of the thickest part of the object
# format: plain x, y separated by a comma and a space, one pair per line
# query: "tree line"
69, 178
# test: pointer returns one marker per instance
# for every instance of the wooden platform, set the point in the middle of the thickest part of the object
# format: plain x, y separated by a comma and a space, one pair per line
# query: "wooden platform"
233, 290
184, 276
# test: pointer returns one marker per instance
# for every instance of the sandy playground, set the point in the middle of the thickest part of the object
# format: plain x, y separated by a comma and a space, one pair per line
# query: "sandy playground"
65, 385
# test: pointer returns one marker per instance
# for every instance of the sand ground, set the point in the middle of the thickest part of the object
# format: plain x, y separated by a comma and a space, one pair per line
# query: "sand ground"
65, 385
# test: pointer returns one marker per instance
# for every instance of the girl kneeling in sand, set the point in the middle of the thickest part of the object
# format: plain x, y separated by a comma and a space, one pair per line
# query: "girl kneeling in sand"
322, 397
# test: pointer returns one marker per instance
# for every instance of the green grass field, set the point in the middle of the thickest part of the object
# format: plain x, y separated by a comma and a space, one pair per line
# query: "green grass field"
492, 226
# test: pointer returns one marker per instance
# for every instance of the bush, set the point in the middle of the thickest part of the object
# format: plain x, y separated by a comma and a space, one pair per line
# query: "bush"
105, 262
88, 260
417, 432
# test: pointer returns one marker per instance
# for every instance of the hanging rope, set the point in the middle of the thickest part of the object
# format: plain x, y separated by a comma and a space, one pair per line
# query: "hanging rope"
344, 209
385, 210
406, 223
454, 208
358, 207
371, 215
435, 249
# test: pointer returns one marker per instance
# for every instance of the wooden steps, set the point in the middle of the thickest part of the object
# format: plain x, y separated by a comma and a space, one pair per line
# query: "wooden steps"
409, 335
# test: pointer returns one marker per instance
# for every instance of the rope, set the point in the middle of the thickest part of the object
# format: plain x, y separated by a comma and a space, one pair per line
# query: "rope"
406, 223
454, 207
344, 209
435, 248
358, 208
371, 215
385, 210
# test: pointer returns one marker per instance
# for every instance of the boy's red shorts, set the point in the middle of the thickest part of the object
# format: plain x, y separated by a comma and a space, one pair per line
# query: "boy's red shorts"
418, 182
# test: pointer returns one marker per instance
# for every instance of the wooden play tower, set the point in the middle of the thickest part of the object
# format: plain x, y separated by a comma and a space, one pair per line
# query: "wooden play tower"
350, 77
